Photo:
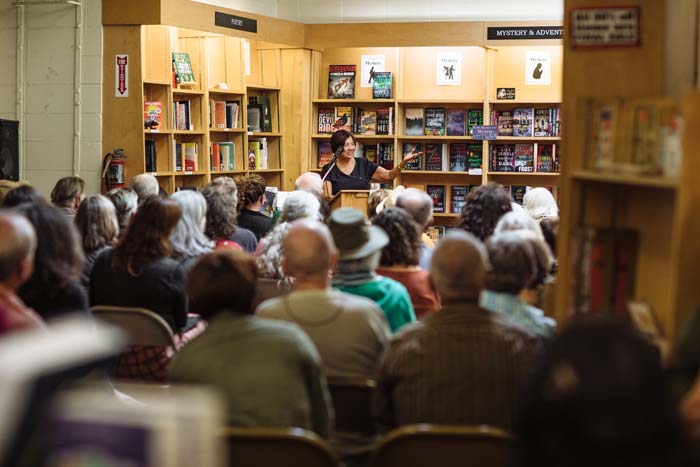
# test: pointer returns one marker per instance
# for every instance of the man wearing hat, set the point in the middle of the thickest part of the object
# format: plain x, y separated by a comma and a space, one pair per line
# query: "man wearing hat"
359, 246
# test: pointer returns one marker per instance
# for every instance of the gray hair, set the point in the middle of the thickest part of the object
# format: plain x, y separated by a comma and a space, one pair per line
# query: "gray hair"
17, 242
459, 266
270, 258
227, 184
308, 181
125, 201
513, 261
418, 204
514, 220
300, 205
145, 186
539, 203
188, 238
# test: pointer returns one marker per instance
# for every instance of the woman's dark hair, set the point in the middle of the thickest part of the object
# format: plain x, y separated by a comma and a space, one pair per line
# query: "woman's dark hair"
338, 139
250, 189
22, 194
482, 210
550, 227
221, 213
223, 280
147, 238
404, 238
513, 261
97, 224
58, 260
598, 397
66, 190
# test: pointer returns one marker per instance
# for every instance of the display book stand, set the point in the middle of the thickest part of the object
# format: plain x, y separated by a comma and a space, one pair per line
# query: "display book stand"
218, 67
411, 92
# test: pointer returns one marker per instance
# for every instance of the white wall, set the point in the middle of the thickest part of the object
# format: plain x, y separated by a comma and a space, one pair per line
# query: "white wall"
49, 101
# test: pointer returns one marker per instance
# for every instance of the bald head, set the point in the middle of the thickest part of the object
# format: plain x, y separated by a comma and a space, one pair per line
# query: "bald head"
308, 181
17, 247
459, 267
418, 204
309, 250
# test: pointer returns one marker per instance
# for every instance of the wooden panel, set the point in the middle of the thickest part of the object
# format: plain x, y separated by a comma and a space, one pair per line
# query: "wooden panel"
130, 12
680, 64
353, 56
157, 61
295, 109
194, 46
255, 77
509, 72
224, 61
270, 63
235, 68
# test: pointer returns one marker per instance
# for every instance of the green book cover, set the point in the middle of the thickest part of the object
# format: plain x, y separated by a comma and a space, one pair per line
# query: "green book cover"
381, 85
183, 67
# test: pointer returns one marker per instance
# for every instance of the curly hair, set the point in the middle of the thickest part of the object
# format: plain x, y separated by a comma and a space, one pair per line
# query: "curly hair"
97, 222
482, 210
221, 213
404, 237
250, 189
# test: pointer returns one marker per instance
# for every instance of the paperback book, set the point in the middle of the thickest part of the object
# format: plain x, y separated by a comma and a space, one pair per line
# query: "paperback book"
385, 155
368, 122
434, 121
437, 194
326, 119
341, 81
523, 122
151, 157
505, 123
152, 115
414, 122
182, 67
503, 158
475, 117
458, 157
381, 85
474, 158
227, 151
456, 122
369, 152
384, 118
546, 154
459, 197
543, 122
436, 232
433, 157
524, 158
413, 164
343, 119
517, 192
325, 155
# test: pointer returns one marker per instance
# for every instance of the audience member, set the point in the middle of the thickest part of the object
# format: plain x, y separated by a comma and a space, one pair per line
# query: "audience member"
188, 240
598, 396
516, 220
309, 181
375, 199
221, 216
251, 196
67, 195
420, 206
462, 365
513, 267
125, 202
399, 260
483, 208
540, 204
349, 332
145, 186
98, 227
54, 288
17, 247
22, 194
5, 187
550, 228
268, 371
227, 184
360, 247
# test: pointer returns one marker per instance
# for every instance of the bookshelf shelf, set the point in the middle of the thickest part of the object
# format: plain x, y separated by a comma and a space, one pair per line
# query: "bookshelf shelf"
263, 134
160, 174
438, 102
523, 174
227, 92
262, 88
665, 183
187, 174
436, 138
188, 132
527, 138
441, 173
266, 171
448, 215
157, 83
541, 103
227, 172
191, 92
354, 101
227, 130
157, 132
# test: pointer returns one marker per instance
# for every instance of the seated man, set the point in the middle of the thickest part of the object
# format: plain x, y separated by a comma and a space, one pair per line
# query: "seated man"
350, 332
268, 371
462, 365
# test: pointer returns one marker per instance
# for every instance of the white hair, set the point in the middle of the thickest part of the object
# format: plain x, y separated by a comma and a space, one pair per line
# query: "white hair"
145, 185
539, 204
309, 181
188, 237
514, 220
300, 205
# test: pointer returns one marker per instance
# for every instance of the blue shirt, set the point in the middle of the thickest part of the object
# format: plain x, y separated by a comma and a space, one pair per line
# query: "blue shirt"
526, 316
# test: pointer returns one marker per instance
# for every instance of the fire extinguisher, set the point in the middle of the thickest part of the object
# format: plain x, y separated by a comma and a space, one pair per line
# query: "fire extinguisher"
113, 166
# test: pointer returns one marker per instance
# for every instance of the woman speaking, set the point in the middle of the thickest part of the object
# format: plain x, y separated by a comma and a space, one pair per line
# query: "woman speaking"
354, 173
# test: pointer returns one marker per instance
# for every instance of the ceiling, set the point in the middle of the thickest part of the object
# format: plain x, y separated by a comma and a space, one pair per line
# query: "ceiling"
363, 11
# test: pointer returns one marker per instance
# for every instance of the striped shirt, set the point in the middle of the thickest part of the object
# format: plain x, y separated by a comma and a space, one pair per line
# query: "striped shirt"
461, 366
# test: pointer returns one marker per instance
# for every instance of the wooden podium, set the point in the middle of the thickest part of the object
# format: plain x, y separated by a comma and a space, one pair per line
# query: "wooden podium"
351, 199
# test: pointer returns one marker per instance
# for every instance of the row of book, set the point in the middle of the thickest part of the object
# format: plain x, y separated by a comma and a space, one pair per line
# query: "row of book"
356, 120
258, 154
223, 114
182, 116
455, 157
379, 153
259, 114
524, 158
222, 156
527, 122
184, 156
459, 193
341, 82
438, 121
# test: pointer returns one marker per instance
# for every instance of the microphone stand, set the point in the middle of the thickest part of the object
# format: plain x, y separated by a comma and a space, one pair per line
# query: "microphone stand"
333, 164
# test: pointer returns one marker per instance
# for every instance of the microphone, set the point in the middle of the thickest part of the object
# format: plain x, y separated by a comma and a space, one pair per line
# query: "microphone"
337, 153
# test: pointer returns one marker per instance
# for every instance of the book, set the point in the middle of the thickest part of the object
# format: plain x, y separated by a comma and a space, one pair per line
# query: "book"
384, 116
475, 117
255, 115
268, 206
517, 192
152, 115
214, 157
437, 194
232, 113
325, 155
456, 122
543, 123
474, 158
219, 114
182, 68
413, 164
505, 123
385, 155
458, 198
434, 121
503, 158
341, 81
368, 122
523, 122
604, 133
458, 157
414, 122
177, 155
381, 85
433, 157
227, 154
326, 119
190, 152
545, 157
182, 116
343, 119
263, 101
151, 156
369, 152
524, 159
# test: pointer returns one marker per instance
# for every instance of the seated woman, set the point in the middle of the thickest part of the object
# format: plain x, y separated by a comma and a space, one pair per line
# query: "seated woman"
399, 260
188, 239
96, 220
125, 201
251, 196
221, 218
268, 371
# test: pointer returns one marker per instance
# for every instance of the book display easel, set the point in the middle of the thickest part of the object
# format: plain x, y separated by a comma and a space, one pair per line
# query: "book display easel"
438, 119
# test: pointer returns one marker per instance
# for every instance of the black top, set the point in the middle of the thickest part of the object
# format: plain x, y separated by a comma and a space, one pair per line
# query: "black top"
69, 298
357, 180
159, 287
257, 223
245, 238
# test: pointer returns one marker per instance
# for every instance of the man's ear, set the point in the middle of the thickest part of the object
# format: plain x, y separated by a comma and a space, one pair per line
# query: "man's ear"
333, 263
25, 268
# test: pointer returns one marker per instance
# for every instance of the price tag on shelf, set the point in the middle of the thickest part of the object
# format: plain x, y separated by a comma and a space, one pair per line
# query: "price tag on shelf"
188, 173
155, 174
250, 133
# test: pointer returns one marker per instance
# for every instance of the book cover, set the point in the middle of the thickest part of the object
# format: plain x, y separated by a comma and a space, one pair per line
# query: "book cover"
343, 119
505, 123
645, 138
190, 151
524, 158
341, 81
232, 114
543, 122
437, 194
459, 198
153, 115
326, 119
545, 158
474, 158
324, 153
254, 155
177, 154
369, 152
385, 155
414, 122
384, 121
503, 158
413, 164
182, 112
227, 152
456, 122
265, 113
268, 206
475, 117
219, 114
523, 122
381, 85
215, 157
434, 121
151, 157
254, 114
458, 157
604, 126
517, 192
368, 122
183, 68
433, 157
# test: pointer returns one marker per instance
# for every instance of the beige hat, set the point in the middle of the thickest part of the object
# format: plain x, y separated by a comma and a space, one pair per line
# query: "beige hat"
353, 237
390, 201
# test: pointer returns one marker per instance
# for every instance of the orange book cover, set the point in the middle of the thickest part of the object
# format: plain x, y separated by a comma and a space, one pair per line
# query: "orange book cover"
220, 114
217, 157
152, 115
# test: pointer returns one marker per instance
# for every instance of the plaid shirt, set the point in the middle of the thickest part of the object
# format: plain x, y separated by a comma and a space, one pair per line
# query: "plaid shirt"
518, 312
